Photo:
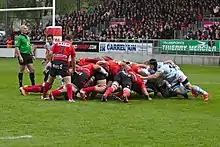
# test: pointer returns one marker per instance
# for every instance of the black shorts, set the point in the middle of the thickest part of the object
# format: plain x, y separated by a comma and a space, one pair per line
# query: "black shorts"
79, 79
110, 77
99, 76
59, 68
27, 59
124, 79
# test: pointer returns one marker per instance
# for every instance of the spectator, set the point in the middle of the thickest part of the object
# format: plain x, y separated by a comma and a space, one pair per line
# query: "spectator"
9, 43
155, 19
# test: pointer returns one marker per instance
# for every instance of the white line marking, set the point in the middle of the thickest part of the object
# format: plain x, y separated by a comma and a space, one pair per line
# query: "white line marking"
15, 137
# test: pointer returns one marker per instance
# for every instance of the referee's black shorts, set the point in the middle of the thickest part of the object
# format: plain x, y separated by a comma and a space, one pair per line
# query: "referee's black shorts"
27, 59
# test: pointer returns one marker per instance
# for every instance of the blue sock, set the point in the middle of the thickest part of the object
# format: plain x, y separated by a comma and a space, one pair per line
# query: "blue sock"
198, 90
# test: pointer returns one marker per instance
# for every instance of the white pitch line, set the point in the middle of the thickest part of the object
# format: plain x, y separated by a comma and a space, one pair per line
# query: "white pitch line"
15, 137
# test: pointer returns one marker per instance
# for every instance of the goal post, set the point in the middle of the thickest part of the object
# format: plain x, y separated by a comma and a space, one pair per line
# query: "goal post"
34, 9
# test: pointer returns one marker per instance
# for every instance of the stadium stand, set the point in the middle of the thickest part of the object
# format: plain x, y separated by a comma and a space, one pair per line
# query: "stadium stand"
139, 19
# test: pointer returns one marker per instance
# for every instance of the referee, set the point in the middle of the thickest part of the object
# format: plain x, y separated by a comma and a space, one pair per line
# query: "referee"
25, 55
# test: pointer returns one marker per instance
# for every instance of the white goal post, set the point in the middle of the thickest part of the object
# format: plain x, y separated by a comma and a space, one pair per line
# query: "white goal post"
34, 9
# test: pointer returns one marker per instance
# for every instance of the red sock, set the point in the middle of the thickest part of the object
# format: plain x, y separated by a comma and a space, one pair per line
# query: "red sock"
38, 85
46, 88
119, 94
56, 93
89, 89
69, 91
108, 91
126, 92
61, 87
35, 88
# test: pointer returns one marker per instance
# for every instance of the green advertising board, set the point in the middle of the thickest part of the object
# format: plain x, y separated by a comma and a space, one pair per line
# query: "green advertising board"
171, 46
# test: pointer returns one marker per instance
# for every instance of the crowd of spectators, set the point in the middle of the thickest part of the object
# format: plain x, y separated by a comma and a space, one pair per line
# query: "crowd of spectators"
207, 33
154, 19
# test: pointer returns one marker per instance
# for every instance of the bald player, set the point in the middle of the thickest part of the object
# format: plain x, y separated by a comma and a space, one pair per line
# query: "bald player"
24, 51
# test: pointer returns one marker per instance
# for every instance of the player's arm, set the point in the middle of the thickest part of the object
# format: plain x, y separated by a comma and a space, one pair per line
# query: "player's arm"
151, 77
143, 72
33, 48
17, 46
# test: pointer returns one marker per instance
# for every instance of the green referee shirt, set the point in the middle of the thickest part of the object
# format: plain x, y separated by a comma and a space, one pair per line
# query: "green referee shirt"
23, 43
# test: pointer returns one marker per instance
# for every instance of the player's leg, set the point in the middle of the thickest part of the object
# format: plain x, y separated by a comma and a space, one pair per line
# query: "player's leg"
197, 90
99, 87
193, 88
30, 67
35, 88
48, 85
20, 75
60, 92
110, 90
145, 93
126, 84
67, 80
114, 86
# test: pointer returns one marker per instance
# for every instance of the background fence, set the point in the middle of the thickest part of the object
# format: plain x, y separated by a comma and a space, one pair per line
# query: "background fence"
181, 47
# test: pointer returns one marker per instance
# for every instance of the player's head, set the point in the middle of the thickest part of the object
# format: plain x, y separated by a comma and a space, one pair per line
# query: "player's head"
24, 29
50, 38
69, 38
153, 64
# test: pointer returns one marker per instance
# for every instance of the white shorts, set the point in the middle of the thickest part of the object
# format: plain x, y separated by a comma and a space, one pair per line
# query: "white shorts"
180, 78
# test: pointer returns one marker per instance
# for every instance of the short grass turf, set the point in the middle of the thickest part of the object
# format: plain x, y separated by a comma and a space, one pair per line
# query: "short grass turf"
140, 123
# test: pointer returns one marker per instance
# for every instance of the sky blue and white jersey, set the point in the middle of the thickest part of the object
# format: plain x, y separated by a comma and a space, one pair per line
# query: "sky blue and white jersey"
169, 73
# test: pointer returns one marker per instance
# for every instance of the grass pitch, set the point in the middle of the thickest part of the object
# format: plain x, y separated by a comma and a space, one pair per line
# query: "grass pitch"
140, 123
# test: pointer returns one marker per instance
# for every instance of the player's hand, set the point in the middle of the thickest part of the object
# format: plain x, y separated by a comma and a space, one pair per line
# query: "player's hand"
21, 59
34, 57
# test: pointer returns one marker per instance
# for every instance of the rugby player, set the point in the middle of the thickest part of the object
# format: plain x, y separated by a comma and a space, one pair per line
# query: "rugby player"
174, 77
59, 55
79, 80
128, 80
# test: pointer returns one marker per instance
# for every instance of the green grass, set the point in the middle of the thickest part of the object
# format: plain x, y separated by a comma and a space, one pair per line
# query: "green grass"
140, 123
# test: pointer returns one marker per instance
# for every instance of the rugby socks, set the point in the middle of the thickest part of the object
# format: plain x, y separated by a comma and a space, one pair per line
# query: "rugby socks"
126, 92
109, 91
32, 76
20, 78
198, 90
56, 93
69, 91
35, 88
89, 89
46, 88
119, 94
